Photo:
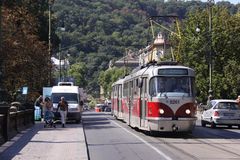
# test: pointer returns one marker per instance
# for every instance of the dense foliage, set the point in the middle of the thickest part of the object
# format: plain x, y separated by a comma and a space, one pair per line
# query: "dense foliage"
103, 30
99, 31
223, 39
24, 54
106, 78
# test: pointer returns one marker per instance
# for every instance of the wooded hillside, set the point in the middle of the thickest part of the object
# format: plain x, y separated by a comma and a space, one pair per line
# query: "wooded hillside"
99, 31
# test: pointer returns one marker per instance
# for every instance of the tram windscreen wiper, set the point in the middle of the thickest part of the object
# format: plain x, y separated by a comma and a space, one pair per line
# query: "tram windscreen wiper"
165, 95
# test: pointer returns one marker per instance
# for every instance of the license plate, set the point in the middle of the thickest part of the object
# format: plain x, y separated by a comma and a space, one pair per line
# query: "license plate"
229, 114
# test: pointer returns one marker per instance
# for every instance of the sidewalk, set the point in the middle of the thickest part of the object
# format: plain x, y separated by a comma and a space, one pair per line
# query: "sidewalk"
47, 143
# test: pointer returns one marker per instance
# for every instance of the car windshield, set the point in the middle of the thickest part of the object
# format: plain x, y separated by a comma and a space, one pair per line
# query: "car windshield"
227, 105
69, 97
172, 86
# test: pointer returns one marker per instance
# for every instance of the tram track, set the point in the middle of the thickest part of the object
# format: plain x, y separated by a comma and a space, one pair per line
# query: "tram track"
216, 145
169, 146
166, 142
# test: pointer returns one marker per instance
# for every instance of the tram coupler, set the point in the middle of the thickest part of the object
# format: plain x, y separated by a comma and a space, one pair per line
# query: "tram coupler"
174, 128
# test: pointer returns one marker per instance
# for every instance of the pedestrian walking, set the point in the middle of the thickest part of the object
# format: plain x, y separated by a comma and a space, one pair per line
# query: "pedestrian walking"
63, 107
48, 106
238, 100
48, 103
48, 113
39, 104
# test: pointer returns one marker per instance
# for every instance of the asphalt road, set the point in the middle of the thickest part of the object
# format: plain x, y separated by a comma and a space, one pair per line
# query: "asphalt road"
108, 139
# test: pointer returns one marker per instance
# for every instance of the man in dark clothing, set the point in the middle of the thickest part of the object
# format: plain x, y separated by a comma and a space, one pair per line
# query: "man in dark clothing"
63, 106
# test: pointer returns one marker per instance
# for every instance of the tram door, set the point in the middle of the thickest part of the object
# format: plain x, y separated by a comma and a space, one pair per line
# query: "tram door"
113, 100
130, 100
119, 105
143, 94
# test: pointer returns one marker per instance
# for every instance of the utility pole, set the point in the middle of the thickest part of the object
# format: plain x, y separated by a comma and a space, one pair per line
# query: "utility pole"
49, 42
62, 29
210, 4
0, 25
1, 54
60, 62
50, 3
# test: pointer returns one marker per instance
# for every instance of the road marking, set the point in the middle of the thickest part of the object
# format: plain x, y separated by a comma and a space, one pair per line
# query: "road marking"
148, 144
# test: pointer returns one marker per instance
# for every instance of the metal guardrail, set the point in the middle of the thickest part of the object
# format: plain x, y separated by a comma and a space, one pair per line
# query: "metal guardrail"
12, 123
2, 139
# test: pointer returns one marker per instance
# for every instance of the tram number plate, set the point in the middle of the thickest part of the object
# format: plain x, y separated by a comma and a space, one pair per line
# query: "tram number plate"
174, 101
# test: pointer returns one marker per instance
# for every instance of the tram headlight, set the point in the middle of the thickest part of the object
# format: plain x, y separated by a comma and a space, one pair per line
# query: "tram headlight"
187, 111
161, 111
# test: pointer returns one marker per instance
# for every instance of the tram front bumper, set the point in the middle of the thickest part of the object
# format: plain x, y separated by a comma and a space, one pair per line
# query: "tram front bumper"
167, 125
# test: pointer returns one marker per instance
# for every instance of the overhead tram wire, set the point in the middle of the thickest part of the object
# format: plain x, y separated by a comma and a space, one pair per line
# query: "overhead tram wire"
151, 22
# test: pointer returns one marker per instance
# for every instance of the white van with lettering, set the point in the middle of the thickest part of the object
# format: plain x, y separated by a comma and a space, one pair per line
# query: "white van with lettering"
71, 94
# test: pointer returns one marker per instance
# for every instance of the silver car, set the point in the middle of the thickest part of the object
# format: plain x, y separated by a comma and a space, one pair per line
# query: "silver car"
221, 112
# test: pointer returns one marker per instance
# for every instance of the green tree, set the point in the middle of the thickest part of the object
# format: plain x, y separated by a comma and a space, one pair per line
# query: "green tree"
104, 29
25, 57
78, 72
108, 77
195, 49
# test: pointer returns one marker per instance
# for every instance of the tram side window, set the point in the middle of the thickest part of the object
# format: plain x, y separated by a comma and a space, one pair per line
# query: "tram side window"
115, 91
125, 89
193, 86
145, 85
152, 87
136, 89
120, 91
156, 86
131, 89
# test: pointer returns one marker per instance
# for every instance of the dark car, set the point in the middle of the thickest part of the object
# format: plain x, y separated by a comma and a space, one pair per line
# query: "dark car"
85, 107
102, 107
107, 109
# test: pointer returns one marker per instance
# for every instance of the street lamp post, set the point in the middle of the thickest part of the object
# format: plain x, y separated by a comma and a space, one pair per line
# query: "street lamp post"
0, 25
1, 56
66, 65
50, 2
62, 29
210, 4
60, 62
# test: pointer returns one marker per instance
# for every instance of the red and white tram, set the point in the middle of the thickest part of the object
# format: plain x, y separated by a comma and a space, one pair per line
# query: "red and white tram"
157, 98
116, 98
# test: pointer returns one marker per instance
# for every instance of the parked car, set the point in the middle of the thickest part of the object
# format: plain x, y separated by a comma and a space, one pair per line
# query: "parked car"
221, 112
101, 107
85, 107
107, 109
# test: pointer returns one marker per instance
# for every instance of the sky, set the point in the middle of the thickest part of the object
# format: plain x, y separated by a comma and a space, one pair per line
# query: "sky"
231, 1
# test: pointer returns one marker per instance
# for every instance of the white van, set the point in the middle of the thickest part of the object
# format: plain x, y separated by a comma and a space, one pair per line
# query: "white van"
71, 94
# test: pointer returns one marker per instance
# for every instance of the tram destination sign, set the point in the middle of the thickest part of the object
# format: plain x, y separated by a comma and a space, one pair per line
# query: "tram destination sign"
173, 71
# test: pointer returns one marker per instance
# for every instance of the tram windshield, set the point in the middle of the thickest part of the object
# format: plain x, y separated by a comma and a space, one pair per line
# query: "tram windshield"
172, 86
